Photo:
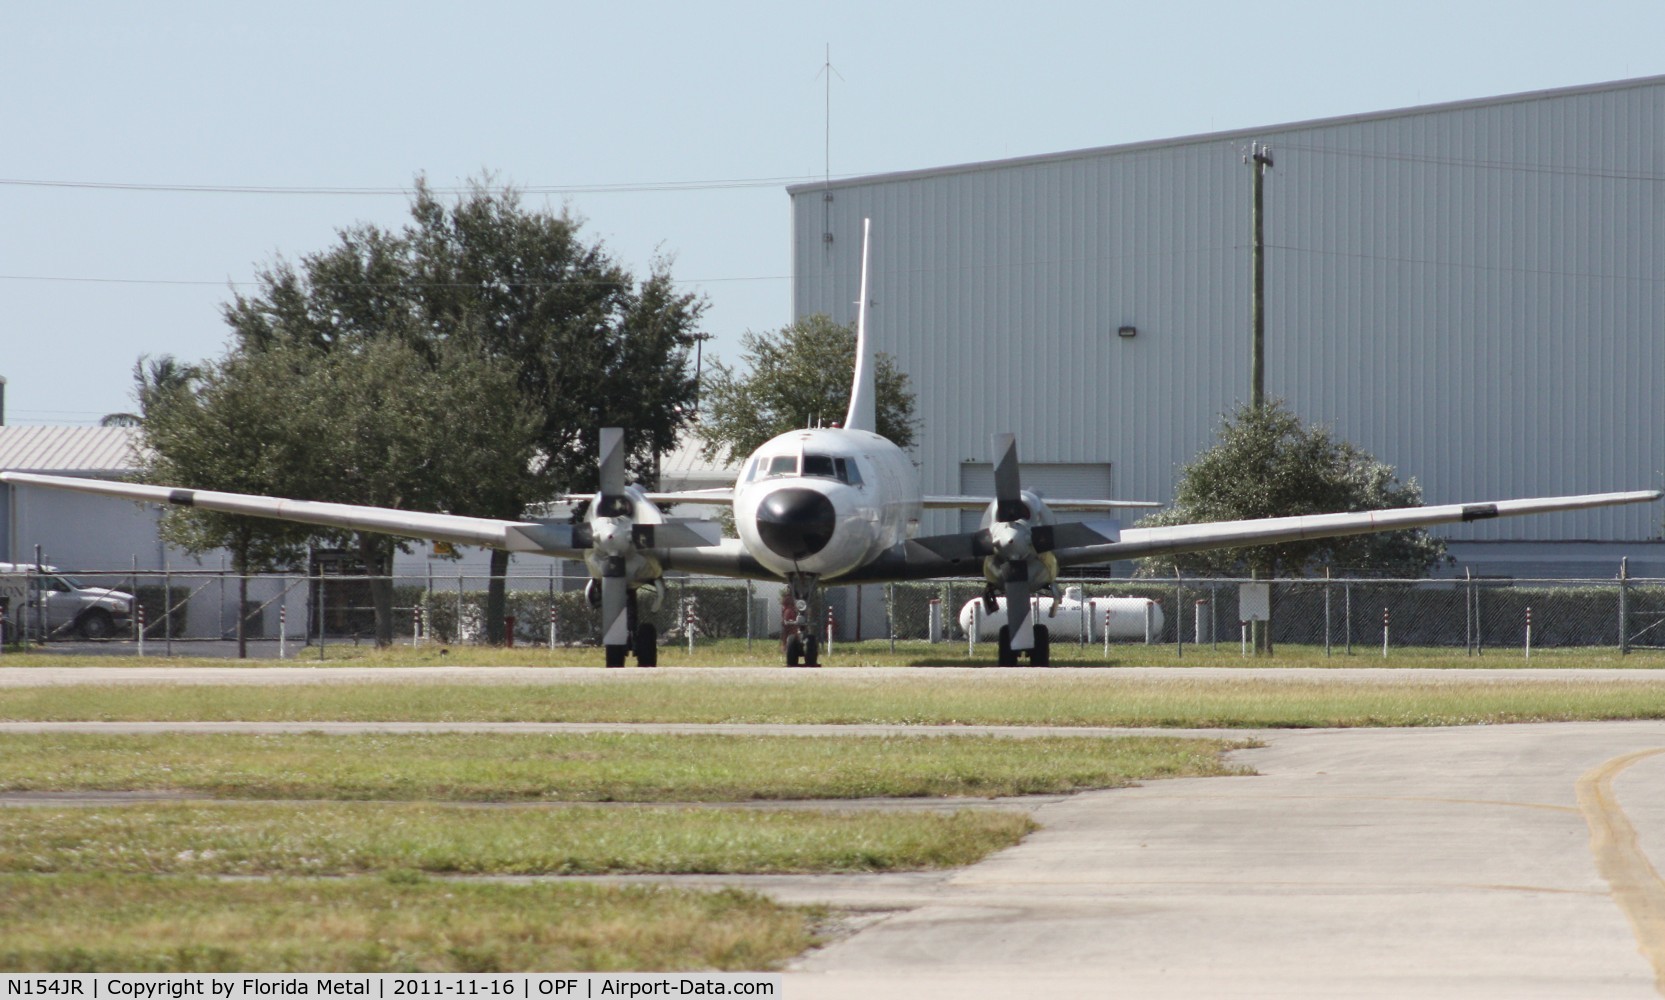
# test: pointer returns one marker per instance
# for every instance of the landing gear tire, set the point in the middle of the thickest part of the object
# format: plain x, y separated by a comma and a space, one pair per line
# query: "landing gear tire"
97, 624
812, 652
616, 655
1041, 655
647, 645
794, 649
1007, 657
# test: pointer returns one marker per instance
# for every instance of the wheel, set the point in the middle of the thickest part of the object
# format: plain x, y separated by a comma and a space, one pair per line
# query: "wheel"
1041, 655
96, 624
615, 655
1007, 658
794, 649
812, 652
647, 645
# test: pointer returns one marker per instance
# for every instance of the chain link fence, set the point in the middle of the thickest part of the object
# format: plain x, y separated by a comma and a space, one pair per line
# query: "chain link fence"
178, 609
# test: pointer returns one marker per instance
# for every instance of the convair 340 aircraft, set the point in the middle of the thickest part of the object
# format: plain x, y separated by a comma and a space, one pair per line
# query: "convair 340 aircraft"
831, 505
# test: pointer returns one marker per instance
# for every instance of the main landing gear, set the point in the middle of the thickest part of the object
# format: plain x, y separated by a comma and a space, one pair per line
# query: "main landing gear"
1039, 656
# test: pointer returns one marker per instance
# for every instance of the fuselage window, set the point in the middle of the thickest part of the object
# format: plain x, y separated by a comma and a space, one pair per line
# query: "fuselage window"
783, 465
818, 465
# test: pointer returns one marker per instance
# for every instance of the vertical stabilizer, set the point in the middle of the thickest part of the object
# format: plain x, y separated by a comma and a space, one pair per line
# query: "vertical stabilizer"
863, 415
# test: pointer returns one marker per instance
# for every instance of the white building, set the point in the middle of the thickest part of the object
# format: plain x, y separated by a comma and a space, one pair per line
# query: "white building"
1471, 292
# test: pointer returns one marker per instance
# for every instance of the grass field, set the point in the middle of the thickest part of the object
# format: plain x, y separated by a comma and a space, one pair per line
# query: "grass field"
315, 839
1074, 698
404, 922
595, 767
142, 886
323, 880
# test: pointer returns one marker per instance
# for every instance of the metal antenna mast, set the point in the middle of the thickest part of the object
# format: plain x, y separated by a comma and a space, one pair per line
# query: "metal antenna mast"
826, 188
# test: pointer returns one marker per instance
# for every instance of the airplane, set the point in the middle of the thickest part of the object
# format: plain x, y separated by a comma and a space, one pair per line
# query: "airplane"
828, 505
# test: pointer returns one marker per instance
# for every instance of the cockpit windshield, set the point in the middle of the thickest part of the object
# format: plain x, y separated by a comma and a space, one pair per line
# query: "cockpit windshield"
820, 466
841, 469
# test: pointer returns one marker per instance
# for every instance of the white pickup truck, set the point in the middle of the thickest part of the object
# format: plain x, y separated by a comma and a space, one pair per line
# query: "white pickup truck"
69, 607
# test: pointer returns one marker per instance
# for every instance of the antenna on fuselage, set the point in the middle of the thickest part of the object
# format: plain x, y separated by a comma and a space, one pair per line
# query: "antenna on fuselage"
863, 414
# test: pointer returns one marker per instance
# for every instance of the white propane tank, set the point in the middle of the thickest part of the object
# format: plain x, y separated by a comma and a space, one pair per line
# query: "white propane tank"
1127, 616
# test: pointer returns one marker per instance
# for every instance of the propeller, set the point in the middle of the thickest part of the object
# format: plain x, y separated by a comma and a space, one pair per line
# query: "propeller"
1013, 541
612, 538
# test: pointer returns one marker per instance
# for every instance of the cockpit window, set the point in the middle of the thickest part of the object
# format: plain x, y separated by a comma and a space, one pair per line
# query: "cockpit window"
818, 465
847, 471
783, 465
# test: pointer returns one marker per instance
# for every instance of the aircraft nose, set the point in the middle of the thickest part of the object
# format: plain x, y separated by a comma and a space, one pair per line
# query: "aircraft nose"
795, 523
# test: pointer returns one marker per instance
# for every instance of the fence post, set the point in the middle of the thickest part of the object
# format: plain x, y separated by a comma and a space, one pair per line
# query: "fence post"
1624, 606
1150, 623
140, 611
1468, 611
890, 614
976, 625
323, 614
1326, 612
1197, 614
167, 608
1347, 613
933, 622
748, 616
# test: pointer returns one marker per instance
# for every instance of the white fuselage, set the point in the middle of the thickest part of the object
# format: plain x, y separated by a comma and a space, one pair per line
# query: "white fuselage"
825, 501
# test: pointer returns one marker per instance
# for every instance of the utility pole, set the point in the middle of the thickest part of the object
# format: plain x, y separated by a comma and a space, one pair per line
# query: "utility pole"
1260, 159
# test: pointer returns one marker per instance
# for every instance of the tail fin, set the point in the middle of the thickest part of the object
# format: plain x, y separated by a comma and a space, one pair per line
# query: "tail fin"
863, 415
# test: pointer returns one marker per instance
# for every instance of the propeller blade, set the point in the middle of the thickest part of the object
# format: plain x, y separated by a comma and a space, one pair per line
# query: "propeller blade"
1008, 482
613, 499
615, 624
1018, 612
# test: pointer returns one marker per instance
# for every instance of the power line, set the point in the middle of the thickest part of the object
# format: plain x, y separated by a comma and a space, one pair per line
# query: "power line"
533, 189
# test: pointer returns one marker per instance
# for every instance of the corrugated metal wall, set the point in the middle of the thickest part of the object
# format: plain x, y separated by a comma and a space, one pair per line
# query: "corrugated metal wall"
1471, 292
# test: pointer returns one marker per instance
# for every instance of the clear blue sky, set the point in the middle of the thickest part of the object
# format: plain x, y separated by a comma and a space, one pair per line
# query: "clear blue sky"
366, 94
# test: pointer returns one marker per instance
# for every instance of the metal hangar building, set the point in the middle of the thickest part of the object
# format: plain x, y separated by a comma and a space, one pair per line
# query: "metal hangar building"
1472, 292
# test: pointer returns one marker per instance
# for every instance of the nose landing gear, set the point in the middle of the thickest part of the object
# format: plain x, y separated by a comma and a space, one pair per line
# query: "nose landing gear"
799, 622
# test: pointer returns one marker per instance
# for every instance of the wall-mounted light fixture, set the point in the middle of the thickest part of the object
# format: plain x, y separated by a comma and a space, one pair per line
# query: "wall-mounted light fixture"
1127, 331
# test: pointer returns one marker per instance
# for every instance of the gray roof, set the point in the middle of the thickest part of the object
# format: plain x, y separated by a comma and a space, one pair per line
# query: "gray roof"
105, 452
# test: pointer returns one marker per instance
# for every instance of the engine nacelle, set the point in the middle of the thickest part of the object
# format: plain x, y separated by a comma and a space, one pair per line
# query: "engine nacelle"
1013, 539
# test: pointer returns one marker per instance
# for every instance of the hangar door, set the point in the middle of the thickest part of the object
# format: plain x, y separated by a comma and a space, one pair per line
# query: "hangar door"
1075, 481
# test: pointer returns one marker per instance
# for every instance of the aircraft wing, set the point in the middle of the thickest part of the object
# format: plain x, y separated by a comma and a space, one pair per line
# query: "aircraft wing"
515, 536
722, 495
1140, 543
982, 503
960, 554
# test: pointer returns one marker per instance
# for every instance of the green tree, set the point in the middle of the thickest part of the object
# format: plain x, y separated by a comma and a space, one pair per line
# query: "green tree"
590, 346
1267, 463
796, 377
485, 277
222, 426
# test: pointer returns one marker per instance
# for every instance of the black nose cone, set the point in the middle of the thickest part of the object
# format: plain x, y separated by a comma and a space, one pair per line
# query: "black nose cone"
795, 523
